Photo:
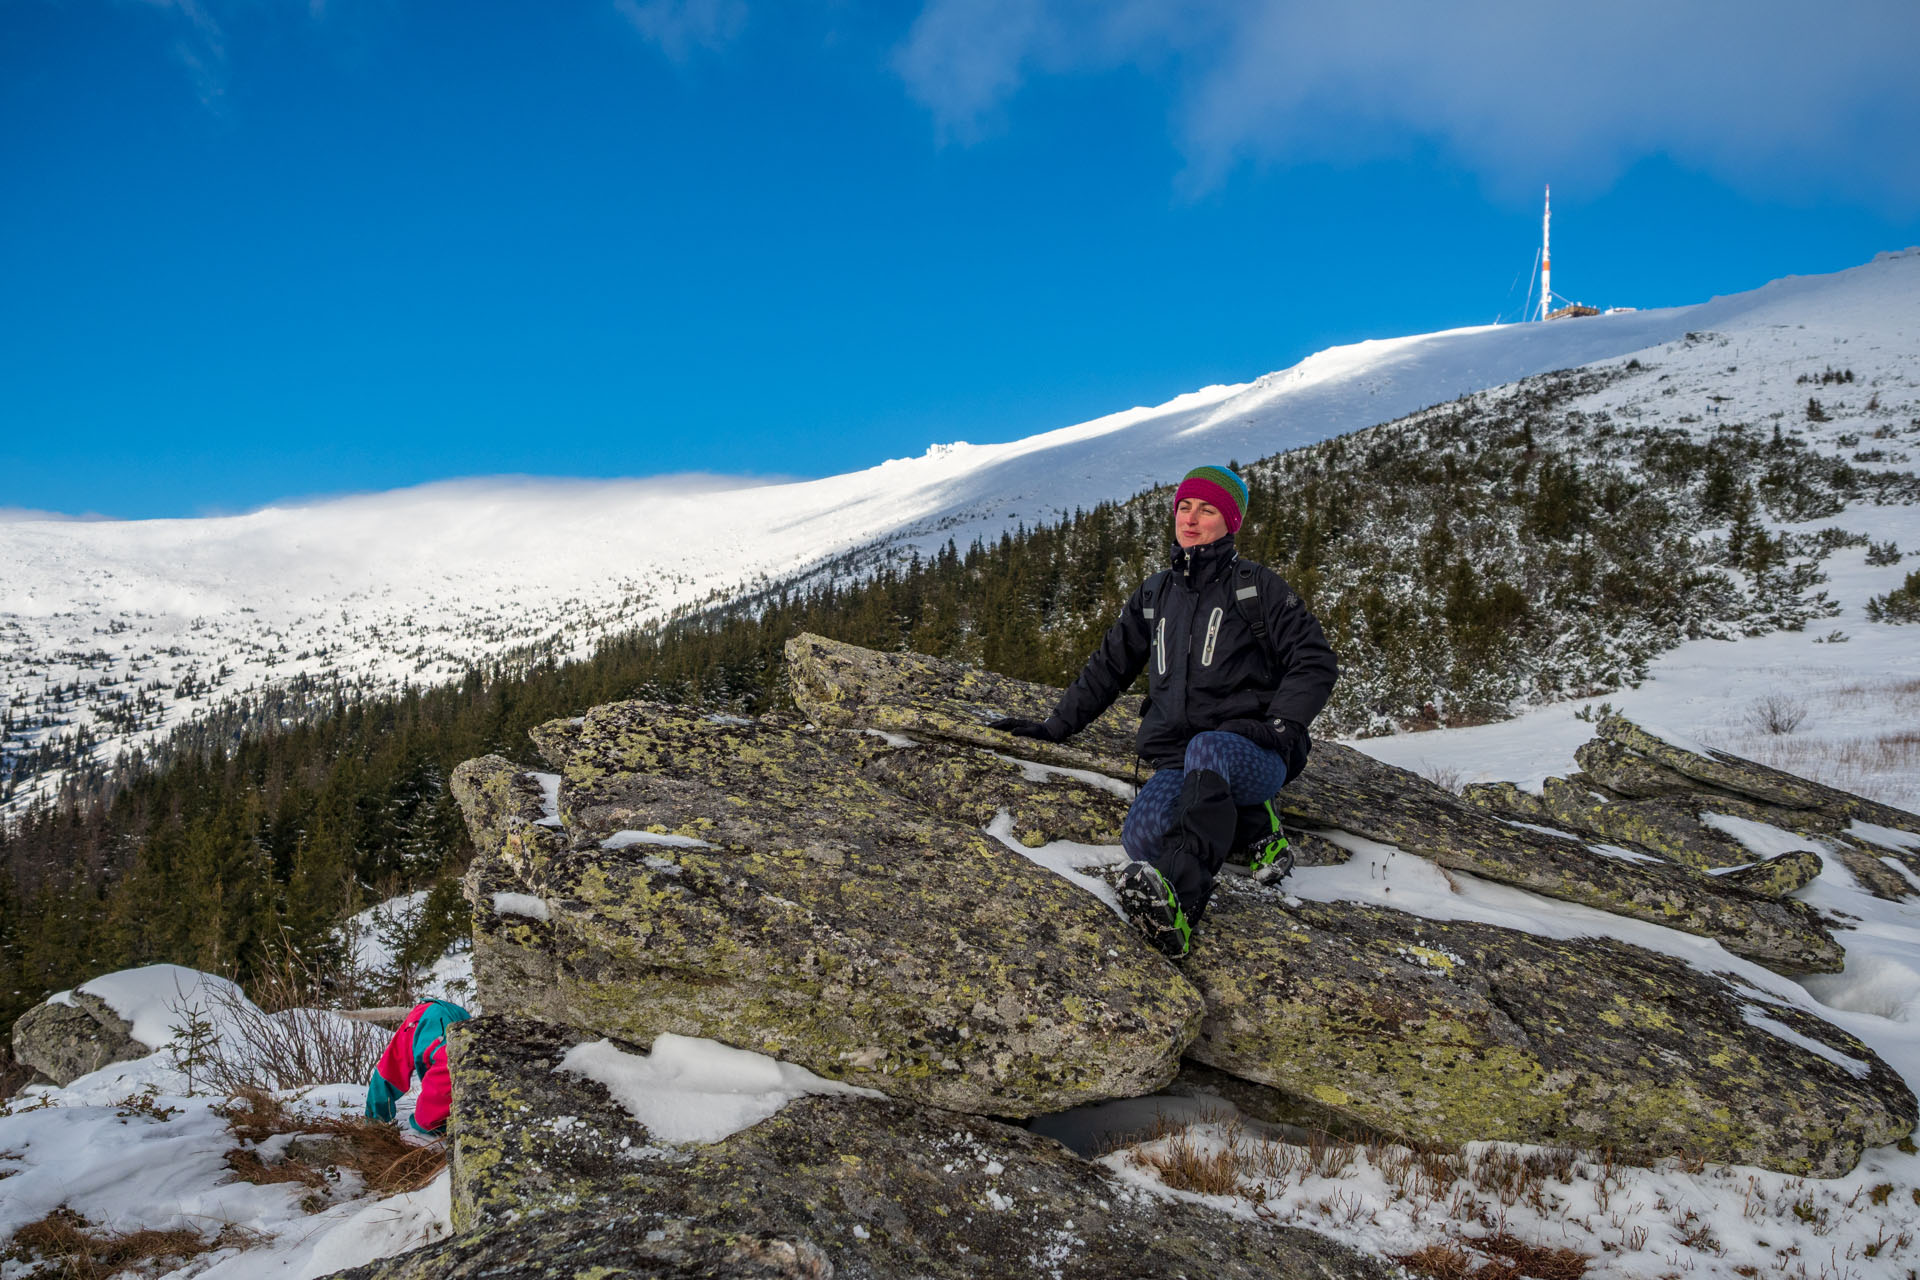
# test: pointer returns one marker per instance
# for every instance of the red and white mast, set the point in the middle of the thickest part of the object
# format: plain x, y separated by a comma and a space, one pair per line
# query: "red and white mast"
1546, 257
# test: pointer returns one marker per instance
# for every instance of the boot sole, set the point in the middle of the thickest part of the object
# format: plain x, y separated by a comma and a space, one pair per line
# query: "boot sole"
1146, 906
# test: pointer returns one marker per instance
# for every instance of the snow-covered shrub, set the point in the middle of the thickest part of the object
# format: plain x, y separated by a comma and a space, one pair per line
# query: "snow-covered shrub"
1902, 604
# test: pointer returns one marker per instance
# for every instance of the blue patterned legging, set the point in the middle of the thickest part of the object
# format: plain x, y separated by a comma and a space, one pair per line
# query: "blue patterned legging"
1254, 773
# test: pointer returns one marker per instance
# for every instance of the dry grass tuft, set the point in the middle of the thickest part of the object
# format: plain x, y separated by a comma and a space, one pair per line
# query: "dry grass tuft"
1879, 766
247, 1166
1442, 1260
1511, 1176
1226, 1161
1496, 1257
1183, 1163
1875, 765
85, 1252
375, 1149
1186, 1166
1542, 1261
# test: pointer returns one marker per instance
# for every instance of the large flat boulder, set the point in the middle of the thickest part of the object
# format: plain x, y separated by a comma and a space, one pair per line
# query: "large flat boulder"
547, 1166
845, 686
743, 881
1452, 1032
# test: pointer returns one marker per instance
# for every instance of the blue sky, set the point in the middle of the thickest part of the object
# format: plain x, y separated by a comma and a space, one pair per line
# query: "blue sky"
263, 249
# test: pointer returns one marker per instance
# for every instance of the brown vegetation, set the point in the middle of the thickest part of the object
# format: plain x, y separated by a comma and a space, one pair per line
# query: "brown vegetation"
1495, 1257
82, 1251
383, 1156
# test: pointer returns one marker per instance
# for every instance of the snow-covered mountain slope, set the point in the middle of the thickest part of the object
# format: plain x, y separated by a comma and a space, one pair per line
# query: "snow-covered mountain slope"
125, 629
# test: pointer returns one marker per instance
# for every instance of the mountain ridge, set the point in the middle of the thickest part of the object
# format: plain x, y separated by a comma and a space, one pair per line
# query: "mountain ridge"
415, 586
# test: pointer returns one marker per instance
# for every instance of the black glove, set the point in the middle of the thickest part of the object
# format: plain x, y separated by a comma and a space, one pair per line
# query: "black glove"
1044, 730
1260, 733
1284, 737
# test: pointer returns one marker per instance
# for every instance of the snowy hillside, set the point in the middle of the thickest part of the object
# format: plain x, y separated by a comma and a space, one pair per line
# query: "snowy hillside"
122, 630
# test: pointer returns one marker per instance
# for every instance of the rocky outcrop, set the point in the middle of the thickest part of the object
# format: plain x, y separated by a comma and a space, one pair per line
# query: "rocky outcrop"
547, 1166
845, 686
1757, 781
64, 1041
746, 882
828, 896
1681, 803
1446, 1032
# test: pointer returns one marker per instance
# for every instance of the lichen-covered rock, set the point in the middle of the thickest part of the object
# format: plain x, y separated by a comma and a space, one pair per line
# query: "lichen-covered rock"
1506, 798
66, 1041
1758, 781
1628, 773
1669, 826
603, 1246
1344, 789
546, 1165
525, 1137
1778, 875
743, 881
1341, 789
1869, 867
846, 687
1452, 1032
976, 787
1659, 826
515, 963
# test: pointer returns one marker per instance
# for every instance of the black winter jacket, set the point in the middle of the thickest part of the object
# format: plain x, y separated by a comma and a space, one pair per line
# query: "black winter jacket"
1204, 664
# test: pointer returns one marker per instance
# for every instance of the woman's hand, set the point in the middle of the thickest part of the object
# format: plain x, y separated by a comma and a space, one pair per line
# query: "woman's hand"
1040, 729
1259, 732
1283, 737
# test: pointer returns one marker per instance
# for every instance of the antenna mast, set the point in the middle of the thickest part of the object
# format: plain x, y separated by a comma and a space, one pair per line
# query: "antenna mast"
1546, 257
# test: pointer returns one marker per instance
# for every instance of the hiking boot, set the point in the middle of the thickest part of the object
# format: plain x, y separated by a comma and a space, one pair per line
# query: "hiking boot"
1154, 909
1269, 859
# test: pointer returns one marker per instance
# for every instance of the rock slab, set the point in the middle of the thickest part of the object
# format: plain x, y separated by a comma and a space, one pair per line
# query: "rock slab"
745, 882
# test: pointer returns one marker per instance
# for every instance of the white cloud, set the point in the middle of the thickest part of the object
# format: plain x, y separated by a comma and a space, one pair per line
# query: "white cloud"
681, 26
1769, 94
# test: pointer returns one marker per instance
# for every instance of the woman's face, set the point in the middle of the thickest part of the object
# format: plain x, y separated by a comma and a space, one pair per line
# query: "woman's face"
1196, 523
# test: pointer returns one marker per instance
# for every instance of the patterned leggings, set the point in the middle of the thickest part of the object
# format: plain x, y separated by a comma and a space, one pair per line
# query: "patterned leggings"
1254, 773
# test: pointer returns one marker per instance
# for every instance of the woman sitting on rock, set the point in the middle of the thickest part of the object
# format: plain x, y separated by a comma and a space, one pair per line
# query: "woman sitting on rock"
1237, 668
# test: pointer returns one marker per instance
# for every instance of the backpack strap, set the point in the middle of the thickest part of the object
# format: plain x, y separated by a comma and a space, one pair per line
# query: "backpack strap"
1150, 592
1246, 595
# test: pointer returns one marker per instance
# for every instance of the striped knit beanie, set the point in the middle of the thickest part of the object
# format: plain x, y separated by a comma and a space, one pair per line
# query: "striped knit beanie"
1219, 486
